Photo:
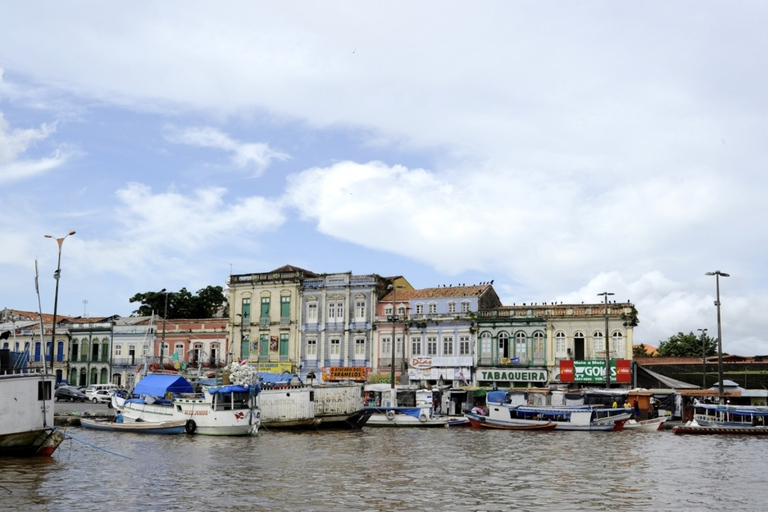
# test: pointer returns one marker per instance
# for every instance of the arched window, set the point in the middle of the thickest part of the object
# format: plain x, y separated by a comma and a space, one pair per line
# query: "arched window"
504, 348
598, 346
538, 344
520, 346
617, 346
560, 345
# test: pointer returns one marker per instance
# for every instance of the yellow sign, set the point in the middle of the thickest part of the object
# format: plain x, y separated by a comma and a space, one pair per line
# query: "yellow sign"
275, 367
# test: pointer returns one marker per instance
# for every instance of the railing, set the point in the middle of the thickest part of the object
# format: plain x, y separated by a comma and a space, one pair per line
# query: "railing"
264, 321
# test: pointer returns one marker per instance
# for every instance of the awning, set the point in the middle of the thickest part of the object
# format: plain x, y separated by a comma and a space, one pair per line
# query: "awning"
159, 385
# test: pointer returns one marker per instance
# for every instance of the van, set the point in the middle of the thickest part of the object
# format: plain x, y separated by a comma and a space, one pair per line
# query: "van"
93, 388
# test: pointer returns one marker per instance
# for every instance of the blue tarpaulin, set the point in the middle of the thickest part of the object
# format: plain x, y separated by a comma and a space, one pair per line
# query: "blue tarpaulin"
276, 379
159, 385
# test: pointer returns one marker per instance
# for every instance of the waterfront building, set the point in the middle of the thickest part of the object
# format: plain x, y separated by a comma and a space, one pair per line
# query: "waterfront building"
337, 321
438, 334
90, 340
132, 345
265, 318
527, 345
191, 345
24, 336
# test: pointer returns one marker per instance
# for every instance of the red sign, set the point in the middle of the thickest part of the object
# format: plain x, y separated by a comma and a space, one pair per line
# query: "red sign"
623, 370
566, 370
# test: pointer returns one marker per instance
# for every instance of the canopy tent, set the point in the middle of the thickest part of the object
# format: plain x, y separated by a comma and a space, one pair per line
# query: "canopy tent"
159, 385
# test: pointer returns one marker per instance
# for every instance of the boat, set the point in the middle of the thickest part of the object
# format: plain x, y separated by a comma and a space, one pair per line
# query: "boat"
478, 420
135, 427
404, 417
26, 408
226, 410
692, 427
726, 415
502, 411
651, 424
459, 421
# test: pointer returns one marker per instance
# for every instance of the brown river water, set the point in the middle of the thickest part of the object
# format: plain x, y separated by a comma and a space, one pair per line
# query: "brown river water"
460, 469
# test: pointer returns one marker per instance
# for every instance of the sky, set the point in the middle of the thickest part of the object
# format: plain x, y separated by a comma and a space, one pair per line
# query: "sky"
560, 149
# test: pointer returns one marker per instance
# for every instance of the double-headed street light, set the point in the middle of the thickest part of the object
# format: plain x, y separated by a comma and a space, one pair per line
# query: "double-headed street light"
717, 275
56, 276
607, 343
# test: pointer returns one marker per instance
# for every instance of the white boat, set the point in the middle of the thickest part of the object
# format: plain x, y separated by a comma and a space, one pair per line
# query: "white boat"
217, 411
578, 417
134, 427
404, 417
651, 424
26, 409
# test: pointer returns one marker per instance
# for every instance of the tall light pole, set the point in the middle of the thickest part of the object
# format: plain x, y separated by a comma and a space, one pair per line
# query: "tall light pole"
703, 358
717, 275
56, 276
607, 343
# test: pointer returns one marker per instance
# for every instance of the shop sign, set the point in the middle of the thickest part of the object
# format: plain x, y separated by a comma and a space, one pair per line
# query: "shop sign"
593, 371
512, 375
332, 373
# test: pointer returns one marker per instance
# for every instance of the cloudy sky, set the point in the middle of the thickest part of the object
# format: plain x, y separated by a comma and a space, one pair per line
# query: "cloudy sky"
561, 149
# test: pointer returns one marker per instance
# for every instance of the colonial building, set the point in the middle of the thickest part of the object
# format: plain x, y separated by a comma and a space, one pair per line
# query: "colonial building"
439, 328
191, 345
23, 328
265, 318
132, 346
338, 313
527, 345
90, 340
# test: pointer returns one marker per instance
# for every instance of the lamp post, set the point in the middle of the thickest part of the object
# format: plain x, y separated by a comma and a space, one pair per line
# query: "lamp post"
607, 343
703, 358
56, 276
717, 275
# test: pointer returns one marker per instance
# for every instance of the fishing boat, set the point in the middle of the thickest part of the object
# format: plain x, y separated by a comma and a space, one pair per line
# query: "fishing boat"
218, 411
404, 417
651, 424
135, 427
478, 420
578, 417
26, 408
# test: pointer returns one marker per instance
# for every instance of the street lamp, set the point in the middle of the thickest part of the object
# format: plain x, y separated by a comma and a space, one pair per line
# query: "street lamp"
607, 343
393, 398
56, 276
717, 275
703, 358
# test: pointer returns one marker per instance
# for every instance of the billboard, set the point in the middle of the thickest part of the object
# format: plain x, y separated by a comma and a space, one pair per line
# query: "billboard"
593, 371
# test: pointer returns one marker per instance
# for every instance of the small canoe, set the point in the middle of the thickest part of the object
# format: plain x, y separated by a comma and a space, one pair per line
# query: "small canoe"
650, 424
135, 427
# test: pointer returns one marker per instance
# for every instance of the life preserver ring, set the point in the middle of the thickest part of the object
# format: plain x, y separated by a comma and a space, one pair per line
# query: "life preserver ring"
422, 417
153, 367
190, 426
390, 415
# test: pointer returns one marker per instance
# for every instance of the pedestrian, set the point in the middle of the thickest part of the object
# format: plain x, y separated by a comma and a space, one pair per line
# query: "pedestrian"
615, 405
637, 409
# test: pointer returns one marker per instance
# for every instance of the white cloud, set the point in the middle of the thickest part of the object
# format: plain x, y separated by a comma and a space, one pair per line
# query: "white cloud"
15, 142
244, 155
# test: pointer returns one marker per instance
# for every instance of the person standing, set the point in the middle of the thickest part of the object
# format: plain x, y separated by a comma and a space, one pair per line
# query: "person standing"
637, 409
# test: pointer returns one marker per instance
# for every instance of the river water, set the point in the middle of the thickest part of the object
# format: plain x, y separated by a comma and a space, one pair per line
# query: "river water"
461, 469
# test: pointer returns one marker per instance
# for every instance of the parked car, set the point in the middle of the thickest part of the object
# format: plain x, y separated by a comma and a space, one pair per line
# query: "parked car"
102, 396
69, 393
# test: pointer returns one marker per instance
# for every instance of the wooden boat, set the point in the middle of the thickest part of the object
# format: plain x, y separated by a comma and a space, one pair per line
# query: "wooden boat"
26, 408
135, 427
651, 424
715, 430
724, 415
478, 421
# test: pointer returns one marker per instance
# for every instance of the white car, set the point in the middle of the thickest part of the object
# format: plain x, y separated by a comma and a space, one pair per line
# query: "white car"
102, 396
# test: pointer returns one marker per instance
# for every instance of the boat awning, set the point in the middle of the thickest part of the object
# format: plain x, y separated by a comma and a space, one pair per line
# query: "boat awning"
276, 379
223, 390
159, 385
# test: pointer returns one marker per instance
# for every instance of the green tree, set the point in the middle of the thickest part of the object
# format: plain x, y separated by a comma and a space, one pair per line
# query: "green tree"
640, 351
687, 345
182, 304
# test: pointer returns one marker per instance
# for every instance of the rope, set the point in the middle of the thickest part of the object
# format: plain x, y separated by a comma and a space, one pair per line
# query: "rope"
89, 444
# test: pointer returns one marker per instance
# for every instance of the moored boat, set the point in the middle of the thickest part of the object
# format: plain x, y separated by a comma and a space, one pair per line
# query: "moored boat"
695, 429
480, 421
135, 427
651, 424
726, 415
218, 411
26, 409
404, 417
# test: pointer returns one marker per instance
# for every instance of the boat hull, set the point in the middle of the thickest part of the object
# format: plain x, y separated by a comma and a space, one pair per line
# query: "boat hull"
135, 427
650, 425
27, 414
197, 416
705, 430
42, 442
403, 417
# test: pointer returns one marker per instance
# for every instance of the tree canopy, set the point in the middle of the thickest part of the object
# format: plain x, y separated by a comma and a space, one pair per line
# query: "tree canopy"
182, 304
688, 345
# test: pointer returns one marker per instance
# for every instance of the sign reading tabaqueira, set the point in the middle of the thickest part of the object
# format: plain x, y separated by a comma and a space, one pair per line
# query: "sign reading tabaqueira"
511, 375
